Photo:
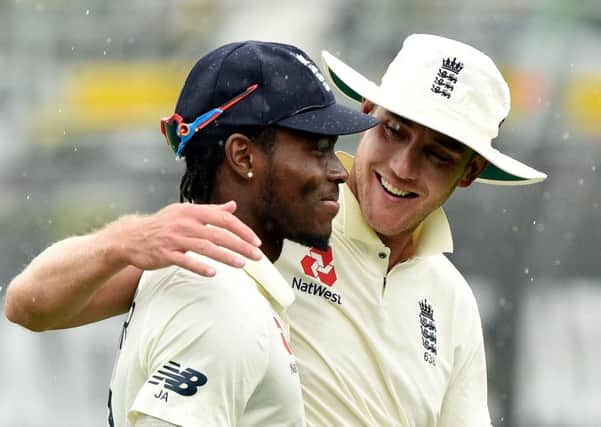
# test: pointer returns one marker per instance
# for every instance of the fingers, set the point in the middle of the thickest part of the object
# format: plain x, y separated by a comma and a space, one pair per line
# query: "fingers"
226, 239
162, 239
184, 261
208, 249
229, 206
229, 231
217, 251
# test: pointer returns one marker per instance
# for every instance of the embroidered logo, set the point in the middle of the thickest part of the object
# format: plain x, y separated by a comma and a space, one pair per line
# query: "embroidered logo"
184, 382
311, 66
428, 329
446, 78
318, 264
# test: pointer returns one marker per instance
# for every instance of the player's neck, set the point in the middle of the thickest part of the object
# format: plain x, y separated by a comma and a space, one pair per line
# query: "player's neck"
402, 247
271, 244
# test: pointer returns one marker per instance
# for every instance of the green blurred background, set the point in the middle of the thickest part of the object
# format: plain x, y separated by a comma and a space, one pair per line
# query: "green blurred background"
83, 85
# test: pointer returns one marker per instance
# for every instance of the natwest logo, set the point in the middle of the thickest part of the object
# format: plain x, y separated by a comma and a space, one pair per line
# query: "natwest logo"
318, 264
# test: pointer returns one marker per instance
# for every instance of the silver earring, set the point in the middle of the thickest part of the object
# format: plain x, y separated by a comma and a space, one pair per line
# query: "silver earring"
249, 174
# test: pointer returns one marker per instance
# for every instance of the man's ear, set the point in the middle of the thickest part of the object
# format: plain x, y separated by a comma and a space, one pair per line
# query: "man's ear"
367, 107
239, 151
473, 170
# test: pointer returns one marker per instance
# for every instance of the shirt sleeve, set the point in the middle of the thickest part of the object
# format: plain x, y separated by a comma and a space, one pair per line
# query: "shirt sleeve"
204, 353
465, 402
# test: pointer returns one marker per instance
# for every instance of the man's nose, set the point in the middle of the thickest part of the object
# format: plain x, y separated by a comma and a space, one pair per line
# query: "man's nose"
336, 171
405, 161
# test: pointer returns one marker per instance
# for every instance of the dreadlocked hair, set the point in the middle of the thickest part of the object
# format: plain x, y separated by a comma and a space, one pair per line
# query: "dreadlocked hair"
205, 153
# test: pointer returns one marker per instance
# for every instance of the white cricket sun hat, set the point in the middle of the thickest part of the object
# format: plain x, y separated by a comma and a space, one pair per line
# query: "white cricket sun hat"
447, 86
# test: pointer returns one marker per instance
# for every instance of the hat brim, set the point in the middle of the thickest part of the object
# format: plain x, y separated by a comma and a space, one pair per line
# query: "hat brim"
334, 119
501, 169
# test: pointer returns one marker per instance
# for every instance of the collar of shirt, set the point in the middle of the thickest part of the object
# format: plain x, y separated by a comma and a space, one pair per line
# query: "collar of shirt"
433, 235
270, 280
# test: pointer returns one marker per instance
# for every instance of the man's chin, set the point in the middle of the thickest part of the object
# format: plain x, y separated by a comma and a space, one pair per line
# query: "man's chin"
321, 242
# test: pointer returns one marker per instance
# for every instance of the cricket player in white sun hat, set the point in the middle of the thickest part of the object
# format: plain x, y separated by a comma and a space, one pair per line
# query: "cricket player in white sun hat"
385, 330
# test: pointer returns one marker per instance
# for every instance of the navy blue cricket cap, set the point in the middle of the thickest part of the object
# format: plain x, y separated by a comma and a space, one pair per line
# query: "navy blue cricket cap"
292, 92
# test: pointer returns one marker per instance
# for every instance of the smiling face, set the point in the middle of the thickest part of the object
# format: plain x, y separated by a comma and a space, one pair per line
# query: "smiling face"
403, 171
299, 188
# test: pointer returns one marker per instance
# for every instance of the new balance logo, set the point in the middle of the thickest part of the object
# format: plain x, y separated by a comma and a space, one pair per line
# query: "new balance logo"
184, 382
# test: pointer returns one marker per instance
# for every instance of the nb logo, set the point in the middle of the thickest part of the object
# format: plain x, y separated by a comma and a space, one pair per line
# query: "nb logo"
184, 382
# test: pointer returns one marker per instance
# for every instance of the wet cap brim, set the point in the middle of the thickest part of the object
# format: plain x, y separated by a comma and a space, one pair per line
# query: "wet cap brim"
334, 119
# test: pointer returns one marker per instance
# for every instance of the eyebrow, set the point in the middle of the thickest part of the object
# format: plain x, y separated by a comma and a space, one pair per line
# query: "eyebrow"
439, 138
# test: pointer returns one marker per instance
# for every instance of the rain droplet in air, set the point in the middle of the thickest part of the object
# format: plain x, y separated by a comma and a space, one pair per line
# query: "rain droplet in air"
87, 11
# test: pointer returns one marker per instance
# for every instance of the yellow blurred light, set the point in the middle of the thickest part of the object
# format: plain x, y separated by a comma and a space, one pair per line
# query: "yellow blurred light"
583, 102
105, 97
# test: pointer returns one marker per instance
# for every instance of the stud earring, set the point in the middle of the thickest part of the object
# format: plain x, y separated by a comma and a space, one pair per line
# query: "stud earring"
249, 174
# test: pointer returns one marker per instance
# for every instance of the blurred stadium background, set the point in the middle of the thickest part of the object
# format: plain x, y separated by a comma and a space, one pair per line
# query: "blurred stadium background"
84, 83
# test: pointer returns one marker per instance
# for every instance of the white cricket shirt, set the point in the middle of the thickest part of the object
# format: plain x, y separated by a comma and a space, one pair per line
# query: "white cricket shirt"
200, 351
378, 348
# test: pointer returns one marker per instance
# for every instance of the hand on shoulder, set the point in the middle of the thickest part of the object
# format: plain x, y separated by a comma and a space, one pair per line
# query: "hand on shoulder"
161, 239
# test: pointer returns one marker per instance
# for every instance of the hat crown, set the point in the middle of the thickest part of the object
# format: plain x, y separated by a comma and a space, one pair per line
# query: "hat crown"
454, 79
289, 82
